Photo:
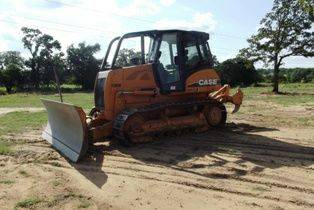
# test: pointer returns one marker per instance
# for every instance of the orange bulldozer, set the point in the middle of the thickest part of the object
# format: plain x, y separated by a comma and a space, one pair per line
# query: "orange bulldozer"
157, 82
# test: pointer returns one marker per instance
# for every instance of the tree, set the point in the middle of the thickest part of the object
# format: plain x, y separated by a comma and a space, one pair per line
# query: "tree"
285, 31
237, 71
11, 57
10, 76
51, 63
215, 61
308, 7
42, 48
11, 66
128, 57
82, 63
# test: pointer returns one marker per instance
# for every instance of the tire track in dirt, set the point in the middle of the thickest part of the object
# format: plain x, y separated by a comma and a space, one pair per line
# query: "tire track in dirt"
188, 183
259, 145
269, 155
122, 158
192, 141
264, 149
160, 162
259, 157
180, 169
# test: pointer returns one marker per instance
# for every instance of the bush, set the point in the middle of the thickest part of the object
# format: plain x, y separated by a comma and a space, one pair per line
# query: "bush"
300, 75
237, 71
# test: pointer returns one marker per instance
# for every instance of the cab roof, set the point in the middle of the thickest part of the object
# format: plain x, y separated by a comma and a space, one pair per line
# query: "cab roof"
200, 34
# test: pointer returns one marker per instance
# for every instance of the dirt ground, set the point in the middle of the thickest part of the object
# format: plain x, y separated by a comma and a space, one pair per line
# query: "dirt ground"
255, 163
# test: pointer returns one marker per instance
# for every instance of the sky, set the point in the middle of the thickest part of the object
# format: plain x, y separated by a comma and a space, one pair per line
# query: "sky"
228, 22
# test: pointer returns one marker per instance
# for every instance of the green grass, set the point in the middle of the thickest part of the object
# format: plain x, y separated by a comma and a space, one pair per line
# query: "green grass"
304, 94
5, 148
291, 100
297, 87
306, 121
17, 122
2, 91
293, 94
284, 87
23, 121
71, 195
229, 150
260, 189
82, 99
56, 164
7, 181
27, 203
56, 183
24, 173
84, 204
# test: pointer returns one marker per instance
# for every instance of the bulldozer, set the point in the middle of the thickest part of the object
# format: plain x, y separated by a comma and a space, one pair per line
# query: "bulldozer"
150, 84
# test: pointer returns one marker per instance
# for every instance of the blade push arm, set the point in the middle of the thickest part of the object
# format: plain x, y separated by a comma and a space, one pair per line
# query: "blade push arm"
223, 96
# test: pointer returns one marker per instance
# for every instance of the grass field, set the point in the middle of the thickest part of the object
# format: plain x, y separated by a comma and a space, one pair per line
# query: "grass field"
293, 94
22, 121
83, 99
15, 122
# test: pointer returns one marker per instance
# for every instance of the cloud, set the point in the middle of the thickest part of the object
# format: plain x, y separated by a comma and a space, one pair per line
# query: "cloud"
3, 46
91, 21
81, 20
140, 8
111, 8
167, 3
199, 21
92, 18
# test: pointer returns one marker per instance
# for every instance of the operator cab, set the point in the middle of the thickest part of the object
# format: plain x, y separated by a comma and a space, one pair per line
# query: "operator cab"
174, 54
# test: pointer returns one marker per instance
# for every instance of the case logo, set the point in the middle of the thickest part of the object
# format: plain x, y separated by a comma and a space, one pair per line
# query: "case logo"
206, 82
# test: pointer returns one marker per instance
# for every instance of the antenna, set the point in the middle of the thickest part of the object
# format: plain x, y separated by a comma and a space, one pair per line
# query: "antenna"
58, 83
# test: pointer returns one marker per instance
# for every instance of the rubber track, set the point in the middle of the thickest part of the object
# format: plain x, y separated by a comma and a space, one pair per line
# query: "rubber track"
122, 117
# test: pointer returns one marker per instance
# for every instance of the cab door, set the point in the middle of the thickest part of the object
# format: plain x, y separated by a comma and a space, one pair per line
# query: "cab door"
168, 64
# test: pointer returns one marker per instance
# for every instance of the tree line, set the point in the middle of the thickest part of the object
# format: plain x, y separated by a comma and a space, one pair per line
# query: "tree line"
79, 65
285, 31
288, 75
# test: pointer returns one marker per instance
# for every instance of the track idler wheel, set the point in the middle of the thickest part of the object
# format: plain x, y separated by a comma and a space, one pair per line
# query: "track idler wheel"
133, 131
216, 115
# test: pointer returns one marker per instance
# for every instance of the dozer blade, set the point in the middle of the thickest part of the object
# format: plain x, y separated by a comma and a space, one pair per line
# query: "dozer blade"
66, 129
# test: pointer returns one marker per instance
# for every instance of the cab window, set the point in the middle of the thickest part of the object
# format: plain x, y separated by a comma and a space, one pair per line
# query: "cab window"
129, 52
196, 52
167, 55
191, 52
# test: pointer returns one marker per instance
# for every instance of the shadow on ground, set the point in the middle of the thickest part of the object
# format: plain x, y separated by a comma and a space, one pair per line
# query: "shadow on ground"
91, 166
240, 141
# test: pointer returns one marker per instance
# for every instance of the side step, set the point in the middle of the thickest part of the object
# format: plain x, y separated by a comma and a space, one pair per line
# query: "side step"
66, 129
